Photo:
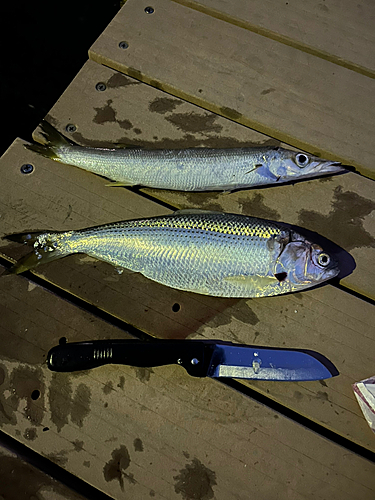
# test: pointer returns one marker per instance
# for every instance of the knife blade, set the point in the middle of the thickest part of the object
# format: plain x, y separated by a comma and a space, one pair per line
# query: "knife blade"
200, 358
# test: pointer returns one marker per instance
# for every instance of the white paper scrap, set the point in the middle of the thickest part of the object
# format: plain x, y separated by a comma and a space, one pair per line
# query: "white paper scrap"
365, 393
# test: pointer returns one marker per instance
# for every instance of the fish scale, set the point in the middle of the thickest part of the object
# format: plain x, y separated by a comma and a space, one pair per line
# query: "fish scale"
191, 169
211, 253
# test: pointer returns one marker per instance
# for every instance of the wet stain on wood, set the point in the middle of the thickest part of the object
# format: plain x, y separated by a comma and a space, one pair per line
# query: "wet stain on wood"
115, 468
21, 481
267, 91
30, 434
138, 445
143, 374
164, 105
254, 205
81, 404
60, 393
298, 395
108, 114
119, 80
2, 374
203, 200
63, 405
78, 445
108, 387
195, 481
323, 396
187, 141
121, 383
58, 457
105, 114
27, 384
344, 223
240, 310
134, 73
195, 122
231, 113
5, 416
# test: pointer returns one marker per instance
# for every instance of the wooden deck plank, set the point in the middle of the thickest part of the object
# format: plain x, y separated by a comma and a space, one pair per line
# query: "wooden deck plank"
339, 31
318, 106
19, 479
327, 319
155, 120
154, 433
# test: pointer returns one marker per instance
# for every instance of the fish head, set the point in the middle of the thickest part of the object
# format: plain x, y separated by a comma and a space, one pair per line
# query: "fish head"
289, 165
303, 264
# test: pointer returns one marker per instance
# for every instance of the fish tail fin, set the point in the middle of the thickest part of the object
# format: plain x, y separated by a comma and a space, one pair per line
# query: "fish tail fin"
54, 141
47, 247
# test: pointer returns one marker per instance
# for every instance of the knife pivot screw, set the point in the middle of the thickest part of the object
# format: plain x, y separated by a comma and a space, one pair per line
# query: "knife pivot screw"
194, 361
123, 45
149, 10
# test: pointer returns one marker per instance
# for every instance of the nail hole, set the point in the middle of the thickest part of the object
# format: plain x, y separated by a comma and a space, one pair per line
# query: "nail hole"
70, 128
101, 86
35, 394
149, 10
176, 307
45, 429
123, 45
62, 340
27, 168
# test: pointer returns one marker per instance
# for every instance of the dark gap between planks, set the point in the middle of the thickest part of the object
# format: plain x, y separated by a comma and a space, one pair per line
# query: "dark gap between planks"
234, 384
53, 470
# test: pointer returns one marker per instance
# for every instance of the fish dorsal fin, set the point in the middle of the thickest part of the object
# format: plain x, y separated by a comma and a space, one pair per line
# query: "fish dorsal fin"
189, 211
120, 145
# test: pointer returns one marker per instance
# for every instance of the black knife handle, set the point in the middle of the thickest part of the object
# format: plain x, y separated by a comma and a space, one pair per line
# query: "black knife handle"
194, 356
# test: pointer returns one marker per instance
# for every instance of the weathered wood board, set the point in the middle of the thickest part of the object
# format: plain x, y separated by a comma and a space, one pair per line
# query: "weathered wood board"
340, 208
339, 31
21, 480
142, 433
291, 95
326, 319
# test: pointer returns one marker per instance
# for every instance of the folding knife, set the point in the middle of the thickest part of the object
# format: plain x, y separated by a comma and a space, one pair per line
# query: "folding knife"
200, 358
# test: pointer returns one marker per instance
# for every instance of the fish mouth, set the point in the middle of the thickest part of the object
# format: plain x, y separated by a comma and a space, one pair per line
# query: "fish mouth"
332, 167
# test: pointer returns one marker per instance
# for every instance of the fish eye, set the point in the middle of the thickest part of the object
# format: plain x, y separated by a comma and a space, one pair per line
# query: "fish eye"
302, 160
323, 259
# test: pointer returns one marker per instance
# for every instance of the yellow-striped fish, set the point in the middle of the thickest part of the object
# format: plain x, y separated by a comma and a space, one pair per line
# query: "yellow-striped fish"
210, 253
194, 169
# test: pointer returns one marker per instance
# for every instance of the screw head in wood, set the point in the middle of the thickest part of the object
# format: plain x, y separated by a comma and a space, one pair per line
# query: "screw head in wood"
101, 86
27, 168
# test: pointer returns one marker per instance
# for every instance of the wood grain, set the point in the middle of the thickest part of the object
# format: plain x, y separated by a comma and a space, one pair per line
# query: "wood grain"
298, 98
340, 208
339, 31
154, 433
325, 319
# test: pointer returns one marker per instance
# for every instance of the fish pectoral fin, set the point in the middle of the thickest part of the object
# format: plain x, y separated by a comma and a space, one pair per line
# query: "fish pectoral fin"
253, 281
120, 184
187, 211
265, 172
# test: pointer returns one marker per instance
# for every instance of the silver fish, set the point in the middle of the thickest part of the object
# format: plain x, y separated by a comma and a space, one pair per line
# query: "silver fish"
211, 253
194, 169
